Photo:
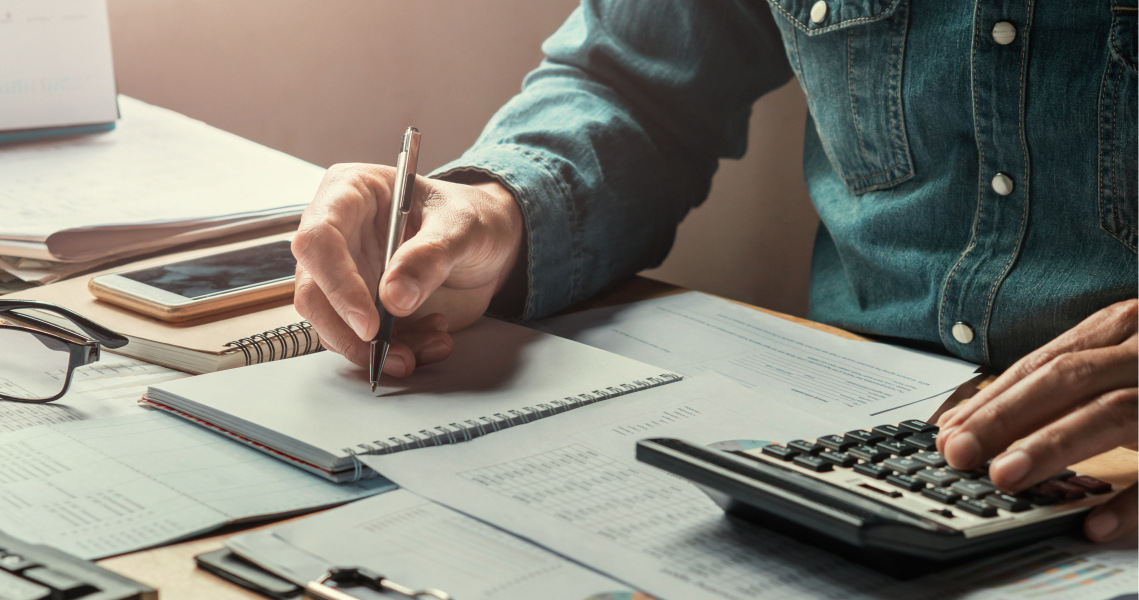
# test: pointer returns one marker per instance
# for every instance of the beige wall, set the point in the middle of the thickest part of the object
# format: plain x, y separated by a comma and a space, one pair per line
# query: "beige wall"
337, 81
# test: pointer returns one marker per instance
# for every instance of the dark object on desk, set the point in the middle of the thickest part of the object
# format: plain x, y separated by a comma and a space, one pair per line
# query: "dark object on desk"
350, 577
904, 513
32, 355
231, 567
36, 572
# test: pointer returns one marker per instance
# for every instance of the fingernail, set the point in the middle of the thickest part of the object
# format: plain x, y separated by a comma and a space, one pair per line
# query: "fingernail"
944, 436
1011, 467
358, 323
403, 293
395, 365
1102, 525
963, 450
435, 352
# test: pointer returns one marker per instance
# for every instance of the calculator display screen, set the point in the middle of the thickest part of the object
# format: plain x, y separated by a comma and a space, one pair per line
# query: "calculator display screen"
217, 273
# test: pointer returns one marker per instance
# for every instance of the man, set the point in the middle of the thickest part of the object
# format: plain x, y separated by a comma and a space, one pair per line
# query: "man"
974, 168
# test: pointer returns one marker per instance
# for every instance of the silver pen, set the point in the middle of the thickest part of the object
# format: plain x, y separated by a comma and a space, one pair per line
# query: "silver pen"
400, 206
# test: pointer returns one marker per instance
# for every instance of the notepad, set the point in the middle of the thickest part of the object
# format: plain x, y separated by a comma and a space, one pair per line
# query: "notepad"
317, 411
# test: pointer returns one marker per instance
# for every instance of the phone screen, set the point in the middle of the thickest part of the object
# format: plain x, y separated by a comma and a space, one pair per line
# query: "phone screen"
211, 275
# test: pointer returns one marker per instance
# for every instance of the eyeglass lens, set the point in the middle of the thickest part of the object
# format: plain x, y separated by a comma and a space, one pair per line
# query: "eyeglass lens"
33, 366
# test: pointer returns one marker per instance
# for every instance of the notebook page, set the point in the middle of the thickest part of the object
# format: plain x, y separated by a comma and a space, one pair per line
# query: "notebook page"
324, 401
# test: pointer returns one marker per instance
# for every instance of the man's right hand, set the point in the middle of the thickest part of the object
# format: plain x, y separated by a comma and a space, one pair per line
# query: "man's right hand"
461, 244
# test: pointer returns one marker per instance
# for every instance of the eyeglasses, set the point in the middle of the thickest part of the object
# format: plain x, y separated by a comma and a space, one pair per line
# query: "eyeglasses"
37, 359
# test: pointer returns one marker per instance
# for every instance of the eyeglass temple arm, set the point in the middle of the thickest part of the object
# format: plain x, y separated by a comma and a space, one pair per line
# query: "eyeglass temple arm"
105, 336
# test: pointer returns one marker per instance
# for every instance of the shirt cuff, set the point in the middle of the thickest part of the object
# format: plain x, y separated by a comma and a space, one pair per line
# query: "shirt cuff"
551, 261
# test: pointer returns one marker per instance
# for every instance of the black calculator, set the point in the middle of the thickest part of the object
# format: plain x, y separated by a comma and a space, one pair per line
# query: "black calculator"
883, 496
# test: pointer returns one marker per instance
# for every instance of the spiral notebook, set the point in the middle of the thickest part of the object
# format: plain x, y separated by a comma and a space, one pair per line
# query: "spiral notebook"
317, 411
238, 338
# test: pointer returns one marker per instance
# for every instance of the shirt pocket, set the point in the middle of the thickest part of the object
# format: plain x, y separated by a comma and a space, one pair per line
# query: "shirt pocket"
848, 56
1118, 136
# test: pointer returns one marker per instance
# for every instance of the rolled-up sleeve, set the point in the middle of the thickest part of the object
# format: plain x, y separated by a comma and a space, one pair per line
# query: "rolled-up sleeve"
616, 135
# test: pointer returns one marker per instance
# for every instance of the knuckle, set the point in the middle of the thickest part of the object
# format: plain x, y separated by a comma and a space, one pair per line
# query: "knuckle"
1121, 408
1071, 369
997, 417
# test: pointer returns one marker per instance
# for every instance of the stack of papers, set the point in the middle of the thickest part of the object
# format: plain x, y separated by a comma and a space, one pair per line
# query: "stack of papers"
158, 180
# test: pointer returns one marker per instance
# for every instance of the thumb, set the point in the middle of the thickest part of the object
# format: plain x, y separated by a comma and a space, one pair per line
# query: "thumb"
418, 268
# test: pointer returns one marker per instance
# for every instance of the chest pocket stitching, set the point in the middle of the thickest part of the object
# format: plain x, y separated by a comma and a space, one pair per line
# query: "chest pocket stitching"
888, 11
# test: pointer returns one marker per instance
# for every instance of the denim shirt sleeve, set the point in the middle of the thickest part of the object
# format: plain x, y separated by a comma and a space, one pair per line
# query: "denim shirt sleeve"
616, 135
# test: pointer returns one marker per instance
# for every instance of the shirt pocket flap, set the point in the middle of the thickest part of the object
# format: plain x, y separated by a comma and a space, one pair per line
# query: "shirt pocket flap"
816, 17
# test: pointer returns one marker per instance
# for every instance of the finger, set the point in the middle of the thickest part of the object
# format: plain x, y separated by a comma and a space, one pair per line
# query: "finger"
323, 252
1113, 325
1108, 421
1114, 519
1046, 395
425, 260
428, 346
334, 333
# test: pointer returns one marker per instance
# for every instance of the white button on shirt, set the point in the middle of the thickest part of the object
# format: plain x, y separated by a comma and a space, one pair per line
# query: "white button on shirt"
1003, 185
819, 12
1003, 32
962, 332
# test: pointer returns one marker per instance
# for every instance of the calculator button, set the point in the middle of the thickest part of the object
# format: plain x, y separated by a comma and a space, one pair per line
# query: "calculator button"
917, 426
974, 474
868, 453
873, 470
780, 452
972, 488
895, 447
930, 458
903, 465
1007, 502
905, 482
922, 441
977, 507
1039, 498
805, 447
1062, 489
941, 495
891, 431
835, 442
864, 437
813, 463
1091, 484
938, 477
1064, 475
839, 459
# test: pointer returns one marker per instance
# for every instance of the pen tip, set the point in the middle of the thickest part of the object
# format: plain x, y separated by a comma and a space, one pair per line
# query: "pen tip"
373, 387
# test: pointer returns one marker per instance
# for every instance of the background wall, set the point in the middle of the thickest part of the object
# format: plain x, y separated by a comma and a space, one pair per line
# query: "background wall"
338, 80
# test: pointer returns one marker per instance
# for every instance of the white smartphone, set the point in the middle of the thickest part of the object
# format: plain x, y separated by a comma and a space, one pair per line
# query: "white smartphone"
202, 286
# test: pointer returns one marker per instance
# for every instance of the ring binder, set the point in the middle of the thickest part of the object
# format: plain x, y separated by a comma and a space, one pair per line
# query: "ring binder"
359, 577
264, 343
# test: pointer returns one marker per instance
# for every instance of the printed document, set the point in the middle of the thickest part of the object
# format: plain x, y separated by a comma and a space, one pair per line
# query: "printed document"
813, 370
421, 544
107, 486
572, 484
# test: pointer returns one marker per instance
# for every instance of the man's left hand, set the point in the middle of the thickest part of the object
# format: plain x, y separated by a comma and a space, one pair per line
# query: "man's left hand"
1073, 398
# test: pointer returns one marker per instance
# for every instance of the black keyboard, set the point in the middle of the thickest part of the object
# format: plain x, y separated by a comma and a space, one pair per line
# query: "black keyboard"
35, 572
883, 496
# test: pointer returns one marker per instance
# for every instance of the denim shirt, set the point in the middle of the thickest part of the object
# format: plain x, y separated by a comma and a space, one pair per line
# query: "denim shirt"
973, 165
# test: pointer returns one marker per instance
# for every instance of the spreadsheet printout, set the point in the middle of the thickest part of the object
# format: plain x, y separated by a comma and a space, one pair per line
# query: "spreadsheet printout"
574, 486
107, 486
694, 334
107, 388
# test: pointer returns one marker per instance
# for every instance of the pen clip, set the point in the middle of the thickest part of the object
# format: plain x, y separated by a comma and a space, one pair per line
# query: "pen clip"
406, 164
356, 576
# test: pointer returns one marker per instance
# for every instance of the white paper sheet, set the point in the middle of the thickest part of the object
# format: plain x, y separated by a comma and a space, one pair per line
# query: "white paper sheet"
55, 64
573, 486
108, 388
157, 177
420, 544
103, 487
694, 333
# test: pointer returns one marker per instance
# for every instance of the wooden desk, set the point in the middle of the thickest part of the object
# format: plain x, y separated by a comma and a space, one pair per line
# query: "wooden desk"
171, 570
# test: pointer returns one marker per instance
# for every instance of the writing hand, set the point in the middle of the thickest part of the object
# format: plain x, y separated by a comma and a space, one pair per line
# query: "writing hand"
462, 244
1073, 398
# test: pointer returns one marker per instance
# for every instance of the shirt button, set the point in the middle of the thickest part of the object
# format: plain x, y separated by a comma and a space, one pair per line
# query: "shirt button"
962, 332
819, 12
1003, 184
1004, 33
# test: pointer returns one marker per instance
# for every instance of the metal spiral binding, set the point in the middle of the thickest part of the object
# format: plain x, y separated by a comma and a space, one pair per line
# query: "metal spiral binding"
264, 344
472, 428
